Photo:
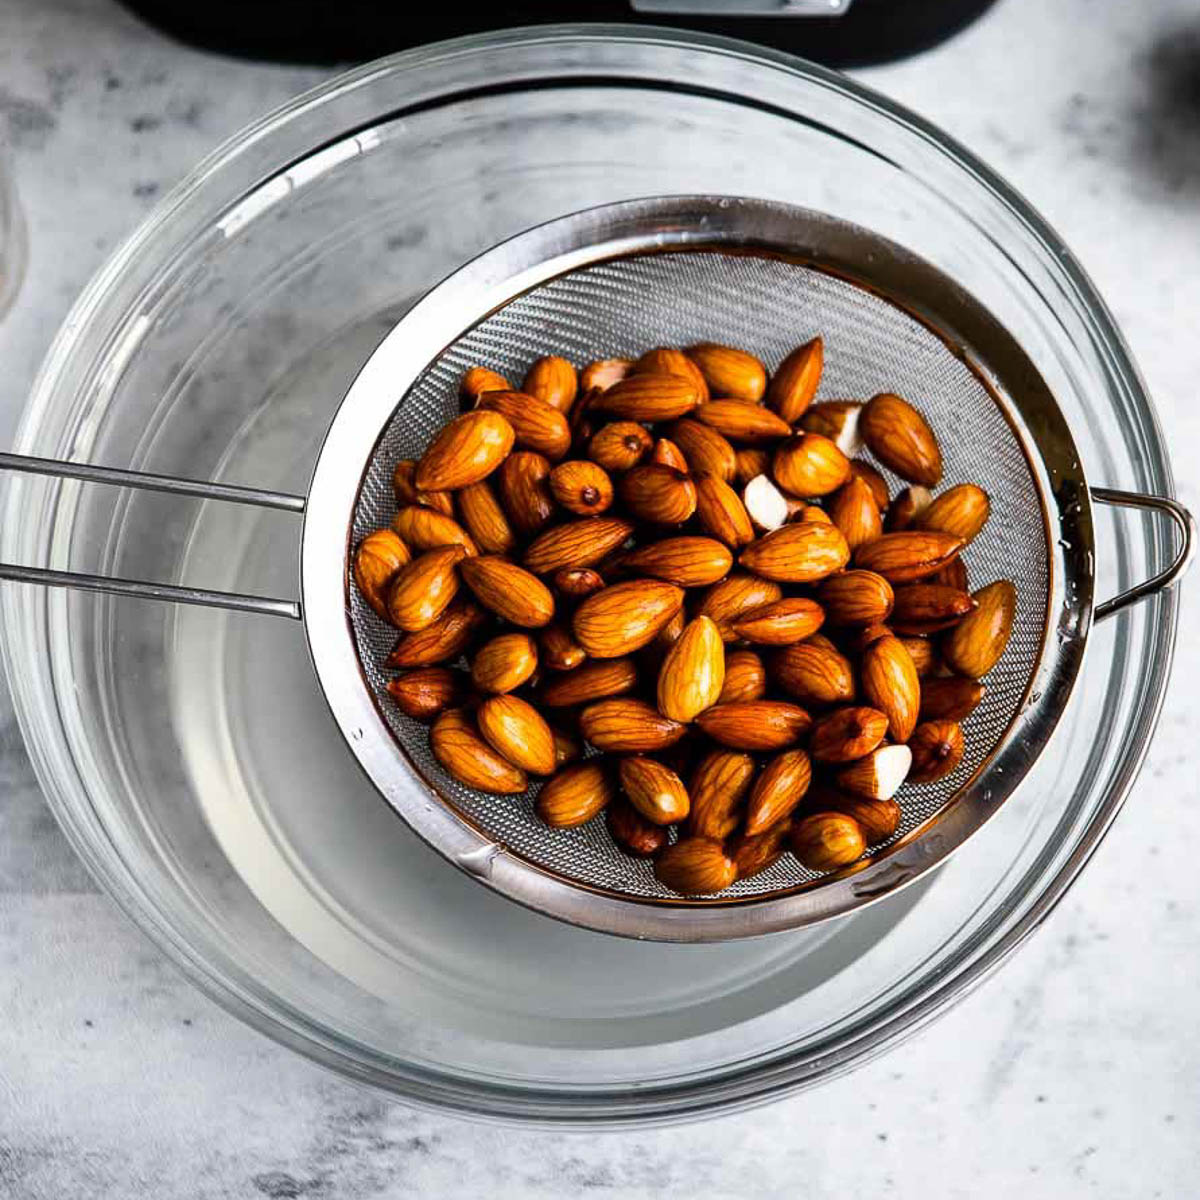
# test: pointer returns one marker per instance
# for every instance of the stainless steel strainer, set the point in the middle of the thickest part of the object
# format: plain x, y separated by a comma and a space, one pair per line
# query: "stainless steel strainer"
613, 281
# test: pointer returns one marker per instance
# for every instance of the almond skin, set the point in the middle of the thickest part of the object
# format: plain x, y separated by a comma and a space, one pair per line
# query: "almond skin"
445, 639
927, 607
467, 450
809, 465
695, 867
380, 557
619, 446
648, 398
878, 819
624, 617
577, 582
631, 831
899, 437
666, 360
853, 510
847, 734
581, 487
603, 373
953, 574
427, 529
515, 729
693, 672
478, 380
704, 448
877, 775
721, 513
504, 663
753, 855
404, 488
741, 423
717, 788
838, 421
777, 791
567, 748
755, 724
856, 598
907, 507
795, 383
949, 697
667, 454
654, 790
624, 725
422, 591
736, 595
872, 478
745, 677
523, 483
826, 841
748, 462
729, 371
576, 544
658, 493
425, 692
590, 682
921, 651
552, 379
974, 646
814, 674
574, 796
683, 561
458, 746
559, 650
485, 520
780, 623
937, 748
508, 590
962, 510
804, 552
890, 683
909, 555
537, 425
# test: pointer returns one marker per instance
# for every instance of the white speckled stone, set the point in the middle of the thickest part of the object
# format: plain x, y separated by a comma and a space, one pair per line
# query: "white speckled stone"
1073, 1072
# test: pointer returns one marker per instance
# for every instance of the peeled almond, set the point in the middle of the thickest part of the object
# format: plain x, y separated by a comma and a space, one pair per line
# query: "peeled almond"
877, 775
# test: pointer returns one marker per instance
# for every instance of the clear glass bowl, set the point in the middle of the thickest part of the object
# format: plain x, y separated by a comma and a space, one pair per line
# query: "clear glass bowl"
187, 752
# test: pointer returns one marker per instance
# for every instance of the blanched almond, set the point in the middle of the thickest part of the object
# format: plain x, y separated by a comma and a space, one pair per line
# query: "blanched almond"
877, 775
838, 421
603, 373
766, 505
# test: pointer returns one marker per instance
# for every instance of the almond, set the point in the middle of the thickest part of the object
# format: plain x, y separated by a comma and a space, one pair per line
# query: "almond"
537, 425
576, 544
523, 482
427, 529
515, 729
404, 488
847, 734
755, 724
590, 682
809, 465
423, 589
860, 639
721, 513
826, 841
648, 398
457, 745
574, 796
631, 831
484, 518
856, 598
619, 446
508, 590
577, 582
703, 448
912, 554
445, 639
962, 510
937, 748
898, 436
853, 510
781, 622
949, 697
581, 487
627, 726
838, 421
765, 504
425, 692
729, 371
659, 494
877, 775
683, 561
921, 651
667, 454
735, 596
553, 380
974, 646
795, 382
665, 360
749, 461
814, 674
654, 653
567, 747
478, 380
745, 677
717, 788
653, 789
878, 819
693, 672
695, 867
378, 560
777, 791
741, 423
927, 607
624, 617
467, 450
559, 650
800, 511
753, 855
905, 510
504, 663
890, 683
603, 373
872, 478
804, 552
953, 574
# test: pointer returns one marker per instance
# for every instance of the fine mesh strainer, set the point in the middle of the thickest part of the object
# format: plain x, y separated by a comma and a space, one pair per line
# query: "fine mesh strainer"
614, 281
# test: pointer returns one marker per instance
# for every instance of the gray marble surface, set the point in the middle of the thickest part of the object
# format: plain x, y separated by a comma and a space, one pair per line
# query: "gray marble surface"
1075, 1071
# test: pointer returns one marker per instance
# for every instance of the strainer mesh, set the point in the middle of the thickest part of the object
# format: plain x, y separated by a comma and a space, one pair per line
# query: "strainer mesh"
619, 309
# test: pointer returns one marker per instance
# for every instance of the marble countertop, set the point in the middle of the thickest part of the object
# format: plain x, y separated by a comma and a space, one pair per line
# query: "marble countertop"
1074, 1071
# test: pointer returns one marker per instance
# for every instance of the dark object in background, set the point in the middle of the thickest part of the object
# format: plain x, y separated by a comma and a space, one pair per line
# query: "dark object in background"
339, 31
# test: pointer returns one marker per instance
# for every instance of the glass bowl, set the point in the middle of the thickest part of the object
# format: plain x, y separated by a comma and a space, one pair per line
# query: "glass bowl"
188, 753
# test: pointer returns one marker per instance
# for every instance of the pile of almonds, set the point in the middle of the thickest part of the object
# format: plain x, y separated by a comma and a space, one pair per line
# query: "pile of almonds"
681, 562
